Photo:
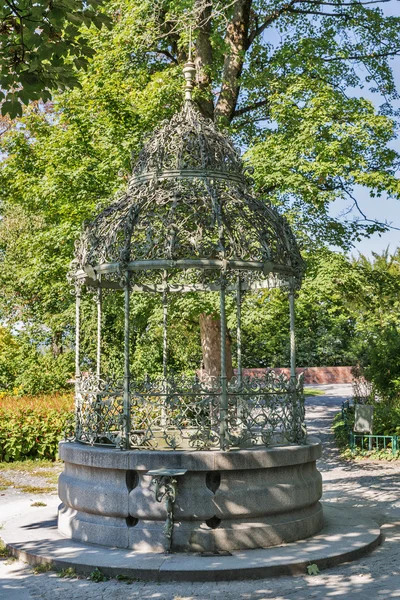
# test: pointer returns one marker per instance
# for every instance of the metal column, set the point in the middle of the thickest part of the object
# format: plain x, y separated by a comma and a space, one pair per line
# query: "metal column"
77, 335
77, 359
292, 337
239, 329
127, 407
223, 409
99, 319
165, 350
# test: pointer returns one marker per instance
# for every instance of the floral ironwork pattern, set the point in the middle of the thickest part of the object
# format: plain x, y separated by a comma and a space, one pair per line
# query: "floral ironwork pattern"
184, 412
189, 198
99, 411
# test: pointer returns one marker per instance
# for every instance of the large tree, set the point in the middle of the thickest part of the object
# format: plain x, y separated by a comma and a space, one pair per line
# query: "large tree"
279, 76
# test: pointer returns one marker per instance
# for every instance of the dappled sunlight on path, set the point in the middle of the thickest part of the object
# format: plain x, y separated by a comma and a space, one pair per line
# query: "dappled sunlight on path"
372, 487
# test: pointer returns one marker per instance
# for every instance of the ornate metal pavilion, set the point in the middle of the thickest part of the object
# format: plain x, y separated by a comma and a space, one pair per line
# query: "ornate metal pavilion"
187, 222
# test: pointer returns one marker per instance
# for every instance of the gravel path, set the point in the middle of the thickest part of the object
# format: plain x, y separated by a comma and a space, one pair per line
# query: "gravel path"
373, 487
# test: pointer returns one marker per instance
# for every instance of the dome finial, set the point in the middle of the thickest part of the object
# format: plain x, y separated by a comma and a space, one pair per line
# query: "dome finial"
189, 70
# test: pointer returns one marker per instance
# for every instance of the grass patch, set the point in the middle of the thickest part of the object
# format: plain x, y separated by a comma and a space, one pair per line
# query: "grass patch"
30, 476
67, 573
313, 392
97, 576
5, 483
39, 504
33, 489
4, 553
43, 568
29, 466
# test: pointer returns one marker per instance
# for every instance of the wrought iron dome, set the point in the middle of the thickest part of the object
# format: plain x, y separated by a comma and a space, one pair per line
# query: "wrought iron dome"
188, 206
187, 221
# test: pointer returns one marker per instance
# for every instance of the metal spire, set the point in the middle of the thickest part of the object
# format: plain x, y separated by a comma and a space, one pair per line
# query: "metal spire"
189, 71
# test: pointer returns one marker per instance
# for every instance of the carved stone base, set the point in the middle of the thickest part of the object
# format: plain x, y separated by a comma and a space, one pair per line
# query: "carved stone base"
225, 501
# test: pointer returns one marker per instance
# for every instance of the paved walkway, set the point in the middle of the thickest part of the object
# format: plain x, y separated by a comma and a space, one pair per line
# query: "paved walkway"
374, 488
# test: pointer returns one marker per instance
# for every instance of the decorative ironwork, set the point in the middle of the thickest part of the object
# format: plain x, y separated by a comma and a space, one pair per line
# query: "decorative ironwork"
186, 222
99, 411
188, 198
185, 412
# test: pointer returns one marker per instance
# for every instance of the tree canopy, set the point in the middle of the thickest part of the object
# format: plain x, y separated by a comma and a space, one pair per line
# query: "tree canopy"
42, 44
281, 77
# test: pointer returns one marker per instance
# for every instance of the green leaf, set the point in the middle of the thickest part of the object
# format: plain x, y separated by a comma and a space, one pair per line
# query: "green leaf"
12, 108
313, 569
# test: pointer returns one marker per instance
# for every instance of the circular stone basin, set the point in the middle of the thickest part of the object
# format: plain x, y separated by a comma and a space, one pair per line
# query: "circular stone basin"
225, 501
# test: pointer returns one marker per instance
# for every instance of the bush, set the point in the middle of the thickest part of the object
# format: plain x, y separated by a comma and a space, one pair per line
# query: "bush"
32, 427
42, 373
382, 364
341, 429
386, 422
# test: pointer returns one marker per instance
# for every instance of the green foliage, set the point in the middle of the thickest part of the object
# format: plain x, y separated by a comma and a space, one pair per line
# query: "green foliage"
386, 422
67, 573
62, 162
97, 576
341, 429
4, 553
31, 429
378, 323
42, 568
42, 45
324, 145
313, 569
44, 373
382, 356
28, 367
8, 359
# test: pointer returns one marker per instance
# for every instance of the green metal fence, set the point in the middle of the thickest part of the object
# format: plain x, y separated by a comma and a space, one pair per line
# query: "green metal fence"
366, 441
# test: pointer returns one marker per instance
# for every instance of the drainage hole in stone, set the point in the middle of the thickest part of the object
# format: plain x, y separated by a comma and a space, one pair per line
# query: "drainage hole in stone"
131, 521
132, 480
213, 523
213, 481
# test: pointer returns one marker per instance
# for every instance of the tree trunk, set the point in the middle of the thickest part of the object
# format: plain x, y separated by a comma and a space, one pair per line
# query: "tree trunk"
210, 333
56, 344
203, 60
236, 39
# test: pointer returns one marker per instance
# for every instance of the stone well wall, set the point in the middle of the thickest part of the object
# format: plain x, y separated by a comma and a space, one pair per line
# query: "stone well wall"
225, 501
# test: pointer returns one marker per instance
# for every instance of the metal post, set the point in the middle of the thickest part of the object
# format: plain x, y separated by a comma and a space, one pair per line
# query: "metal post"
165, 350
292, 337
77, 335
239, 329
224, 396
165, 323
77, 360
127, 407
99, 318
292, 386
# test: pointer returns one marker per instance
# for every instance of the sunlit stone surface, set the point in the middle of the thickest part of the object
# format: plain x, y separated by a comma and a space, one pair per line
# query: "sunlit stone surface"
225, 501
